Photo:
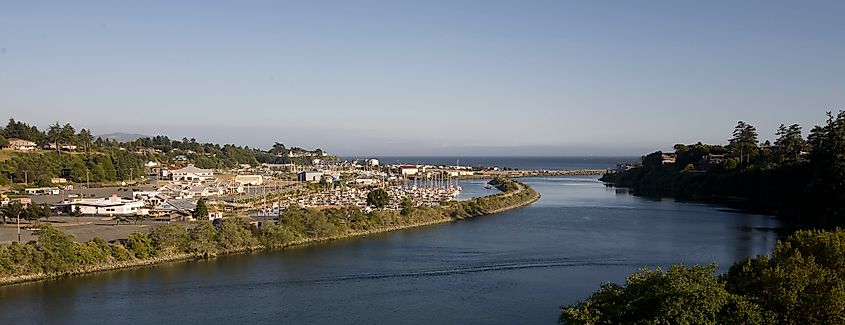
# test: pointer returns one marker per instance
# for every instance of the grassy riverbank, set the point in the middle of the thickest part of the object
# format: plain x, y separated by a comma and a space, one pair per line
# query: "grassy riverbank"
56, 254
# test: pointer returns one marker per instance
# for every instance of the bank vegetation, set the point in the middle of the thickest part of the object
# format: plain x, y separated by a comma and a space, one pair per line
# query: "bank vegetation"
56, 254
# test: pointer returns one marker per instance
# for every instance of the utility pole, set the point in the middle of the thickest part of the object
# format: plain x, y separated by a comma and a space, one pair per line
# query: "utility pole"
25, 177
19, 225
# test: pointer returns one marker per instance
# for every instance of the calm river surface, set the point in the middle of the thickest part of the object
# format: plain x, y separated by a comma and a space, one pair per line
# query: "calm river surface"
516, 267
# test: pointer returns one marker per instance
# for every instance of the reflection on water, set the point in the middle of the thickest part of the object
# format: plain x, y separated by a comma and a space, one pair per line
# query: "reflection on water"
514, 267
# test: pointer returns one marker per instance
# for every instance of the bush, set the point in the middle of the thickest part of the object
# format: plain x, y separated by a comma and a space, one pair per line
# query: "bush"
140, 245
802, 283
681, 295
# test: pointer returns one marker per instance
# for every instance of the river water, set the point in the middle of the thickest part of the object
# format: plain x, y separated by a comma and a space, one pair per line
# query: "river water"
516, 267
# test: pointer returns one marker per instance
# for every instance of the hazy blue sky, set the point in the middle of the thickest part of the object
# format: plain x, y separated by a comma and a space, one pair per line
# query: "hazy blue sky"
425, 77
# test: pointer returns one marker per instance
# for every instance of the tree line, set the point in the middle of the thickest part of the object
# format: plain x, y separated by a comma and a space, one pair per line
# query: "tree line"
803, 282
104, 160
799, 178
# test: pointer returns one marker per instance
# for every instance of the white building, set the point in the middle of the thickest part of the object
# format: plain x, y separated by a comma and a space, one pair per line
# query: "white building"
310, 176
21, 144
42, 191
192, 173
249, 179
372, 162
408, 170
106, 206
62, 146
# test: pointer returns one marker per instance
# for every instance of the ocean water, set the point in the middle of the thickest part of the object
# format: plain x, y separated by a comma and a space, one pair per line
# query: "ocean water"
512, 162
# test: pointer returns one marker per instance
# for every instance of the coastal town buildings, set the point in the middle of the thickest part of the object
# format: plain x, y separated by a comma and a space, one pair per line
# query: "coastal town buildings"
113, 205
61, 146
406, 170
310, 176
42, 191
191, 173
253, 180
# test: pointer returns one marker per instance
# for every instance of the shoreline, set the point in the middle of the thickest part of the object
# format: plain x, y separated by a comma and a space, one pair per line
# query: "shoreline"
182, 257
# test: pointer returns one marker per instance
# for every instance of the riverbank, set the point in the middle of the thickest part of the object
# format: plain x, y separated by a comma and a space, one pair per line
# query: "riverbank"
141, 248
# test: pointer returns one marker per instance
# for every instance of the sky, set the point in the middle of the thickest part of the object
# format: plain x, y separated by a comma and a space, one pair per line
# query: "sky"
540, 78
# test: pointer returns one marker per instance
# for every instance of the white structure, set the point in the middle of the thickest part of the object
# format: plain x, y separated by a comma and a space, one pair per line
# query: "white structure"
107, 206
668, 158
21, 144
42, 191
249, 179
408, 170
372, 162
62, 146
192, 173
364, 181
214, 216
310, 176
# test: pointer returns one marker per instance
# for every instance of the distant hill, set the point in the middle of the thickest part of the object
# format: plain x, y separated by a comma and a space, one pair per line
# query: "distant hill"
122, 137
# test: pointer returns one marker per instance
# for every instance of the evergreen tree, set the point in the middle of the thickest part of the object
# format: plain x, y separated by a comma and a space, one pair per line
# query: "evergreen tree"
54, 135
85, 139
789, 144
202, 209
744, 142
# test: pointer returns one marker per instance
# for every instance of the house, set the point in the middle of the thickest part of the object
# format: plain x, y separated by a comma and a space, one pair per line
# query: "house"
113, 205
714, 159
203, 191
709, 160
668, 158
364, 181
213, 216
172, 206
249, 179
192, 173
21, 144
310, 176
621, 168
150, 197
372, 162
170, 217
62, 146
164, 173
58, 180
42, 191
408, 170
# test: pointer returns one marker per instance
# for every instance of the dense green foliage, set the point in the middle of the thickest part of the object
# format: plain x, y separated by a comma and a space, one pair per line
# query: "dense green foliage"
202, 208
32, 212
103, 160
803, 282
378, 198
55, 252
504, 184
796, 178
